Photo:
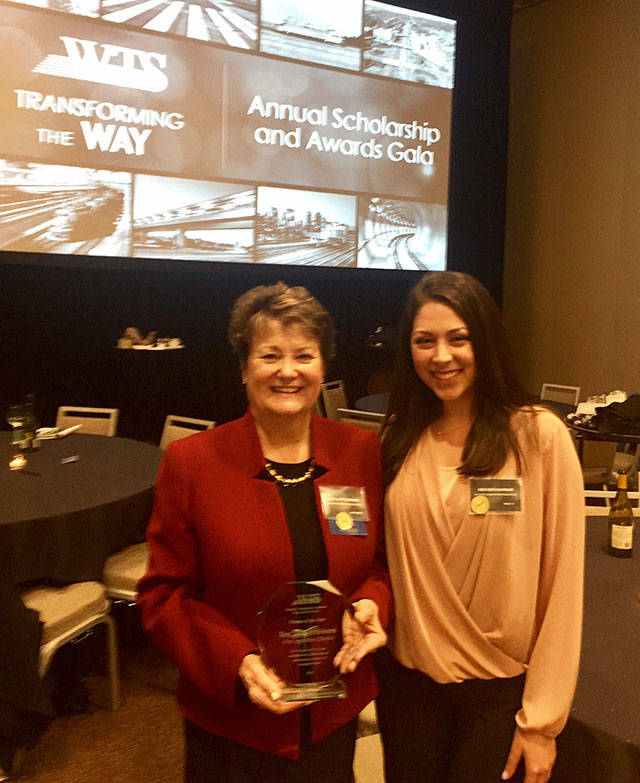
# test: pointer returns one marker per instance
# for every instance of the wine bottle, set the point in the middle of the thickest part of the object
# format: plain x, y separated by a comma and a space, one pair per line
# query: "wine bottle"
621, 521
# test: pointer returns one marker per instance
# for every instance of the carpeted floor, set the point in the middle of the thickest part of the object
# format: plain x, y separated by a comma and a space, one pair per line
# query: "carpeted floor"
139, 743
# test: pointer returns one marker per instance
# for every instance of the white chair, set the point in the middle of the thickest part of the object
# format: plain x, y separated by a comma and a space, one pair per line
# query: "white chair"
368, 720
123, 570
94, 421
333, 397
607, 495
597, 458
176, 427
66, 613
363, 419
554, 392
629, 463
368, 760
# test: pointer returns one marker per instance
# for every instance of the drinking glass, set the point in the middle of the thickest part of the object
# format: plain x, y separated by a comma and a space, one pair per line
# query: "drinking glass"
16, 417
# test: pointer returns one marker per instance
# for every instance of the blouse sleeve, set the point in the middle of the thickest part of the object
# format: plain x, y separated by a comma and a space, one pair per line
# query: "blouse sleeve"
553, 664
205, 645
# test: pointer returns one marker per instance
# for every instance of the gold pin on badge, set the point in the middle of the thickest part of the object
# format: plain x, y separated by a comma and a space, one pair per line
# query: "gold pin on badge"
344, 520
479, 504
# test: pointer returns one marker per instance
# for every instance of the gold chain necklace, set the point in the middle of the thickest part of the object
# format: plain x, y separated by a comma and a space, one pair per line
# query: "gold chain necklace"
287, 482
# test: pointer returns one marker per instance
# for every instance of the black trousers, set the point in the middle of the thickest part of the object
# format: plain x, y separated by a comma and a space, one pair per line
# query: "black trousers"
445, 733
212, 759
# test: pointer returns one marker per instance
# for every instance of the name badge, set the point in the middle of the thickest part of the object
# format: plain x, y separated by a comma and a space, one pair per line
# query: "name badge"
495, 495
346, 509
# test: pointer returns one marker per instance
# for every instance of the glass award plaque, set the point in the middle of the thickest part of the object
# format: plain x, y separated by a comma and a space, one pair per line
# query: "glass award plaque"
299, 634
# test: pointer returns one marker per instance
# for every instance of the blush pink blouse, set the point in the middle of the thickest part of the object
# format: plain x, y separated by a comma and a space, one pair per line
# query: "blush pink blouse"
493, 595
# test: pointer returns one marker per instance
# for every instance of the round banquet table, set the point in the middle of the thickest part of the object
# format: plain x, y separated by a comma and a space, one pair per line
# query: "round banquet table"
61, 520
591, 433
601, 742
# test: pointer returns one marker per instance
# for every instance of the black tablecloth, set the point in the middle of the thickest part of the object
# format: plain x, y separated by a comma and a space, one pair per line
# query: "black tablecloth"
61, 521
601, 743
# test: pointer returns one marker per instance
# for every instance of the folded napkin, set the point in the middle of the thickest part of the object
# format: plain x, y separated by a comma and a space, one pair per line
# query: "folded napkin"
49, 433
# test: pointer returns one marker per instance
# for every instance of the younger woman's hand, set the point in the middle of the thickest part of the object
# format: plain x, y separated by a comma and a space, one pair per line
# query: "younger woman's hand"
362, 633
538, 753
264, 687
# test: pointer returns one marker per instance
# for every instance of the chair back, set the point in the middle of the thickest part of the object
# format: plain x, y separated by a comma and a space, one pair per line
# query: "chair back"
597, 502
176, 427
555, 392
94, 421
333, 396
597, 461
123, 570
629, 463
363, 419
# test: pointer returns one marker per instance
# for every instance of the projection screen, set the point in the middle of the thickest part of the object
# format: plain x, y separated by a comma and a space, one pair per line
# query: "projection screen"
276, 132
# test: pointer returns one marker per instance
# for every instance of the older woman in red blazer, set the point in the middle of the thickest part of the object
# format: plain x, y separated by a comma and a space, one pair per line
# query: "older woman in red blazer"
238, 513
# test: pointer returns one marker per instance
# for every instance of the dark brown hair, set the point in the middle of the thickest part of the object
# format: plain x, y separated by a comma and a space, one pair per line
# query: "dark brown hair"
289, 305
498, 391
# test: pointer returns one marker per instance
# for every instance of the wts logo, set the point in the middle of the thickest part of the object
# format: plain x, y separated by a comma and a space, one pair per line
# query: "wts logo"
119, 66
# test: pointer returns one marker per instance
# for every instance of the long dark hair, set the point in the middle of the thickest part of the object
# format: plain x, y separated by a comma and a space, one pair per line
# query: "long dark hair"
498, 391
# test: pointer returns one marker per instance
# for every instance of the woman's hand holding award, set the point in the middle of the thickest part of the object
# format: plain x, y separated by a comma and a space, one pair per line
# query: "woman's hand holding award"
299, 635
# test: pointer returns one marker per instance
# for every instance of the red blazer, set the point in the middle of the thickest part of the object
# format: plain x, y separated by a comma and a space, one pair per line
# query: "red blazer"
220, 547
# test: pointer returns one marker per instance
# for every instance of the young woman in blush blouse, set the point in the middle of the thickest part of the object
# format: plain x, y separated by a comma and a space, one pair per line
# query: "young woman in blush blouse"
485, 539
